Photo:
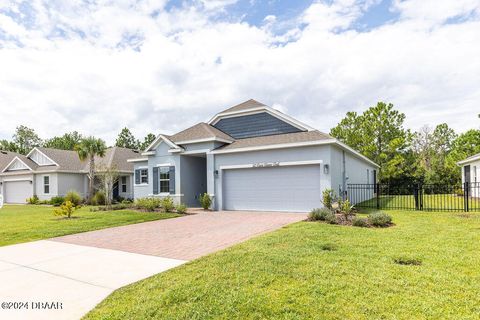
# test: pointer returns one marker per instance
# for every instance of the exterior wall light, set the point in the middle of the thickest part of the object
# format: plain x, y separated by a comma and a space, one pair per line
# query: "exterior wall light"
326, 168
216, 173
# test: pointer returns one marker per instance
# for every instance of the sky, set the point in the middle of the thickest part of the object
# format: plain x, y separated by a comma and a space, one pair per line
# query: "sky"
96, 66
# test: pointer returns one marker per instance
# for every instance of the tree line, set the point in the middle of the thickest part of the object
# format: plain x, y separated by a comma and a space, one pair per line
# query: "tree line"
428, 155
25, 139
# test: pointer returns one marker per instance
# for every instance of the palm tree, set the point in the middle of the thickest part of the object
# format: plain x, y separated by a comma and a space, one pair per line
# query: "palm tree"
87, 149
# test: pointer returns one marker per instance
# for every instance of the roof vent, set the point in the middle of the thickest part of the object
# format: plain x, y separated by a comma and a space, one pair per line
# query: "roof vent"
4, 152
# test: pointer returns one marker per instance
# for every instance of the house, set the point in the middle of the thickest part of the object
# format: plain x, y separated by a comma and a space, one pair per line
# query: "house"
47, 173
470, 174
250, 157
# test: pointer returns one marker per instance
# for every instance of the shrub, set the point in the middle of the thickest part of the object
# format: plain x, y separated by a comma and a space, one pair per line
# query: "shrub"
99, 199
66, 209
327, 195
74, 198
43, 202
459, 192
181, 208
57, 201
167, 204
345, 208
118, 206
33, 200
205, 201
319, 214
127, 201
379, 219
331, 218
148, 204
360, 222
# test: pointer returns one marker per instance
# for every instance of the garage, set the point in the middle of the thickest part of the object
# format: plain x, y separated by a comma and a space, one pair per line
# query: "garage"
17, 191
293, 188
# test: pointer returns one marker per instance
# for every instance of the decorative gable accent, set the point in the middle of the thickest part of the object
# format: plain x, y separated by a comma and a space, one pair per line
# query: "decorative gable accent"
16, 164
254, 125
40, 158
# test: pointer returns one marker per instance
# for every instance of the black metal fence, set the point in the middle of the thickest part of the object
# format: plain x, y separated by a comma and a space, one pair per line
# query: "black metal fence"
426, 197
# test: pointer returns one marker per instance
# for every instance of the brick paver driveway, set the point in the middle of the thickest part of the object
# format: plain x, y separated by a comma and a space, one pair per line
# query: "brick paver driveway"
188, 237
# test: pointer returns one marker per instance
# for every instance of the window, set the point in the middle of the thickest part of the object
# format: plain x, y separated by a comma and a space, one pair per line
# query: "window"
368, 176
46, 184
124, 184
475, 173
144, 176
164, 179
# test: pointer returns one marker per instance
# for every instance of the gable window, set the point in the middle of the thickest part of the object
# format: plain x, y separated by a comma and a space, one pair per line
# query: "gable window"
164, 179
124, 184
144, 176
46, 184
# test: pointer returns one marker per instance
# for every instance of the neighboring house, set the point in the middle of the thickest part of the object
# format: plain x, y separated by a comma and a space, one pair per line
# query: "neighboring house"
250, 157
47, 173
471, 174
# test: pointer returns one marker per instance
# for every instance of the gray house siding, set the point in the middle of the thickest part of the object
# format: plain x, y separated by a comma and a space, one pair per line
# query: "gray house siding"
39, 186
254, 125
70, 182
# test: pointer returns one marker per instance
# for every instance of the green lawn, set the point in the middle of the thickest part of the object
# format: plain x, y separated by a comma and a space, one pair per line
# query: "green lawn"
29, 223
431, 202
287, 274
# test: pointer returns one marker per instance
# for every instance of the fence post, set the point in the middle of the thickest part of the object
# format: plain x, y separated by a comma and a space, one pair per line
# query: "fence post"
377, 185
466, 192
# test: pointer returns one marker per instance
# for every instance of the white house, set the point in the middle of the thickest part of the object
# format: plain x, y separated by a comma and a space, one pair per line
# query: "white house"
471, 174
47, 173
250, 157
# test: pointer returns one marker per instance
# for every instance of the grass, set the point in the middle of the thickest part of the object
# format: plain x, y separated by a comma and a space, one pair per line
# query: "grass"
431, 202
425, 267
28, 223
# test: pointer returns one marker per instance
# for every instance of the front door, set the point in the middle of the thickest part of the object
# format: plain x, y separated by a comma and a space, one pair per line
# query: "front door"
115, 190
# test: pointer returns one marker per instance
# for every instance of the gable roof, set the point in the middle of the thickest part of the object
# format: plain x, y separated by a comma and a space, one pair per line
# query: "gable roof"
202, 132
116, 157
288, 138
249, 104
67, 160
6, 157
469, 159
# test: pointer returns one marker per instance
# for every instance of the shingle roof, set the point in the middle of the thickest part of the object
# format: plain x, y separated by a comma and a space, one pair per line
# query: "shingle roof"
116, 157
250, 104
67, 160
7, 156
199, 131
277, 139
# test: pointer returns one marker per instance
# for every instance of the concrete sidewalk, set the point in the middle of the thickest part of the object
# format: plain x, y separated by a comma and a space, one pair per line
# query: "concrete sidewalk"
71, 277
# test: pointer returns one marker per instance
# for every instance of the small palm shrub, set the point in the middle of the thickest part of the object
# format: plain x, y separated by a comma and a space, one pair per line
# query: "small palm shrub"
33, 200
327, 196
181, 208
74, 198
379, 219
167, 204
319, 214
148, 204
205, 201
360, 222
66, 209
57, 201
99, 199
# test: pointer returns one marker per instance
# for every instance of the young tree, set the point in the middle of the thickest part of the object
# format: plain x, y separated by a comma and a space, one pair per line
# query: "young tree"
378, 134
147, 141
108, 177
66, 142
127, 140
87, 149
26, 139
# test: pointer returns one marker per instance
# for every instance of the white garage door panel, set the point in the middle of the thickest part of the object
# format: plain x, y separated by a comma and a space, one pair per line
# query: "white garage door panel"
289, 188
17, 191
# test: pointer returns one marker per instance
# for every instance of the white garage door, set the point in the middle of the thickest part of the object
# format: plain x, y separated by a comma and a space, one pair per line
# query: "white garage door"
17, 191
289, 188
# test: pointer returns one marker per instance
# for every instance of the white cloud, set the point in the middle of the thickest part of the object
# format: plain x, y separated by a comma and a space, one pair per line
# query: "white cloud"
188, 66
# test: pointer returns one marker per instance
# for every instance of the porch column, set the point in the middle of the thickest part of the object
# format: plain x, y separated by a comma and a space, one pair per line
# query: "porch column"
211, 179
